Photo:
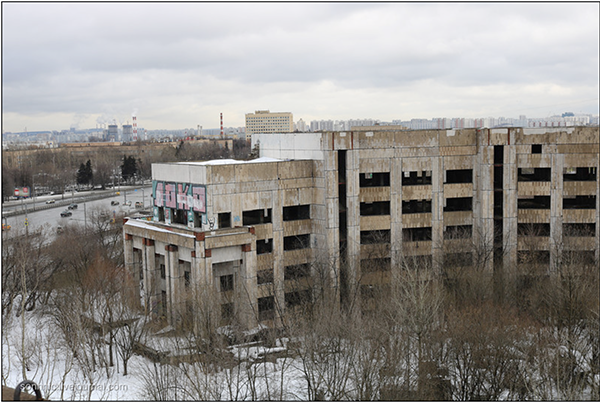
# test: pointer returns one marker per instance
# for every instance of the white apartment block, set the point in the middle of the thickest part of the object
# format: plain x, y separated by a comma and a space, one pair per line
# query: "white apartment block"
269, 122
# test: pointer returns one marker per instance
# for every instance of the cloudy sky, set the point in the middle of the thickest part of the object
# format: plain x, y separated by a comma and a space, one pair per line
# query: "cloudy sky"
178, 65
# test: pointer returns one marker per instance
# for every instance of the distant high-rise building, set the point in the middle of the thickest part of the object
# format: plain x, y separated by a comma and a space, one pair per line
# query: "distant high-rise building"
269, 122
301, 126
127, 133
113, 133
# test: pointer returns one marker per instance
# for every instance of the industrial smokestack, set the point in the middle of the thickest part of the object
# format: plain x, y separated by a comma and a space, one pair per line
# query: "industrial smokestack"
221, 124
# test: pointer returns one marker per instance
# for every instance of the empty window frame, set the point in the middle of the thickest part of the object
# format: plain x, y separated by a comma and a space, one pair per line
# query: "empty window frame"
381, 236
375, 265
179, 216
416, 234
227, 311
296, 271
296, 242
224, 220
375, 208
459, 176
292, 213
533, 229
533, 257
266, 308
264, 246
412, 178
580, 174
373, 179
458, 204
536, 148
579, 229
226, 282
535, 202
416, 206
579, 202
296, 298
256, 217
458, 232
460, 259
264, 276
534, 174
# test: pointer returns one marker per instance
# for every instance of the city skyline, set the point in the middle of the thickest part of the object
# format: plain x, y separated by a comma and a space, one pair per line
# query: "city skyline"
181, 65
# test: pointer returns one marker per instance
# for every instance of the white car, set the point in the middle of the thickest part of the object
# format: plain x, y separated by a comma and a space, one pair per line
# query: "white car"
51, 201
127, 203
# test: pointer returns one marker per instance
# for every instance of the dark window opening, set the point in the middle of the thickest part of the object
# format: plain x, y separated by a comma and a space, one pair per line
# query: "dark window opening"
580, 202
533, 257
255, 217
292, 213
417, 262
266, 308
459, 204
296, 298
372, 179
161, 214
163, 303
579, 258
580, 174
458, 232
226, 282
416, 234
579, 229
499, 177
179, 217
264, 246
197, 219
463, 259
375, 208
416, 206
535, 174
297, 271
224, 220
141, 273
227, 311
375, 265
533, 229
498, 232
498, 203
536, 148
186, 278
264, 276
296, 242
498, 154
163, 271
416, 178
536, 202
375, 237
459, 176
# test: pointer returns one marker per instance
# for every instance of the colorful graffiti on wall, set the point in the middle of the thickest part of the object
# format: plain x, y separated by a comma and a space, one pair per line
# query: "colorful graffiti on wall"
180, 196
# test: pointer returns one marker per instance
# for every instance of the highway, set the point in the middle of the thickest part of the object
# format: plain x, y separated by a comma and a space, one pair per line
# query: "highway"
47, 216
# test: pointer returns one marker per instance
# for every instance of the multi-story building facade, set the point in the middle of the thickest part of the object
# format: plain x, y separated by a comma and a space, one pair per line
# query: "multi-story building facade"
251, 231
269, 122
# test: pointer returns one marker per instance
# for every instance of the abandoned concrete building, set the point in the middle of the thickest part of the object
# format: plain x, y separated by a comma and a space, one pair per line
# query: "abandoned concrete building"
361, 201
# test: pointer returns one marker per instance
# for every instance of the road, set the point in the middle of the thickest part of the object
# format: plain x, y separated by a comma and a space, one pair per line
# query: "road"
50, 218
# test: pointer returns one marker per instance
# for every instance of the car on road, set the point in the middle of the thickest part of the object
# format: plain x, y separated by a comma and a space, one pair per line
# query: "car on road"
51, 201
139, 205
72, 206
127, 203
5, 227
114, 203
66, 213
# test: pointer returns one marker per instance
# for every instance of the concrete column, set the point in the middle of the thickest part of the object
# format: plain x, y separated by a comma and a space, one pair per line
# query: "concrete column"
152, 293
556, 210
483, 197
247, 289
174, 287
509, 226
437, 212
396, 211
353, 218
130, 264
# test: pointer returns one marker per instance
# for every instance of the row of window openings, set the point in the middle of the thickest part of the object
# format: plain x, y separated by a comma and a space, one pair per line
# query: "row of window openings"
569, 230
415, 234
416, 206
579, 174
265, 216
293, 272
569, 203
411, 178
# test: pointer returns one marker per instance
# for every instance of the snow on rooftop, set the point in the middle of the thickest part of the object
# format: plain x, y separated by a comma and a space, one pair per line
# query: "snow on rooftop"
145, 225
231, 161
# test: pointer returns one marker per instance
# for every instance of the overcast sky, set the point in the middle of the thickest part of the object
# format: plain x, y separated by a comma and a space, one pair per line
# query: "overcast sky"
178, 65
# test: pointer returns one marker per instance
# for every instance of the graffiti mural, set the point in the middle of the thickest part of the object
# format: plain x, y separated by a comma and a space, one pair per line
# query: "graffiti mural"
182, 196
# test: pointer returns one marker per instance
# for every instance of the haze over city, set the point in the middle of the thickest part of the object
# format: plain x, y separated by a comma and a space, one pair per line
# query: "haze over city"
181, 65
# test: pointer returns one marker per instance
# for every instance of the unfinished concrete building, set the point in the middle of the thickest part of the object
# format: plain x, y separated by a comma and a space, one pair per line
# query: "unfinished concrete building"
361, 203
